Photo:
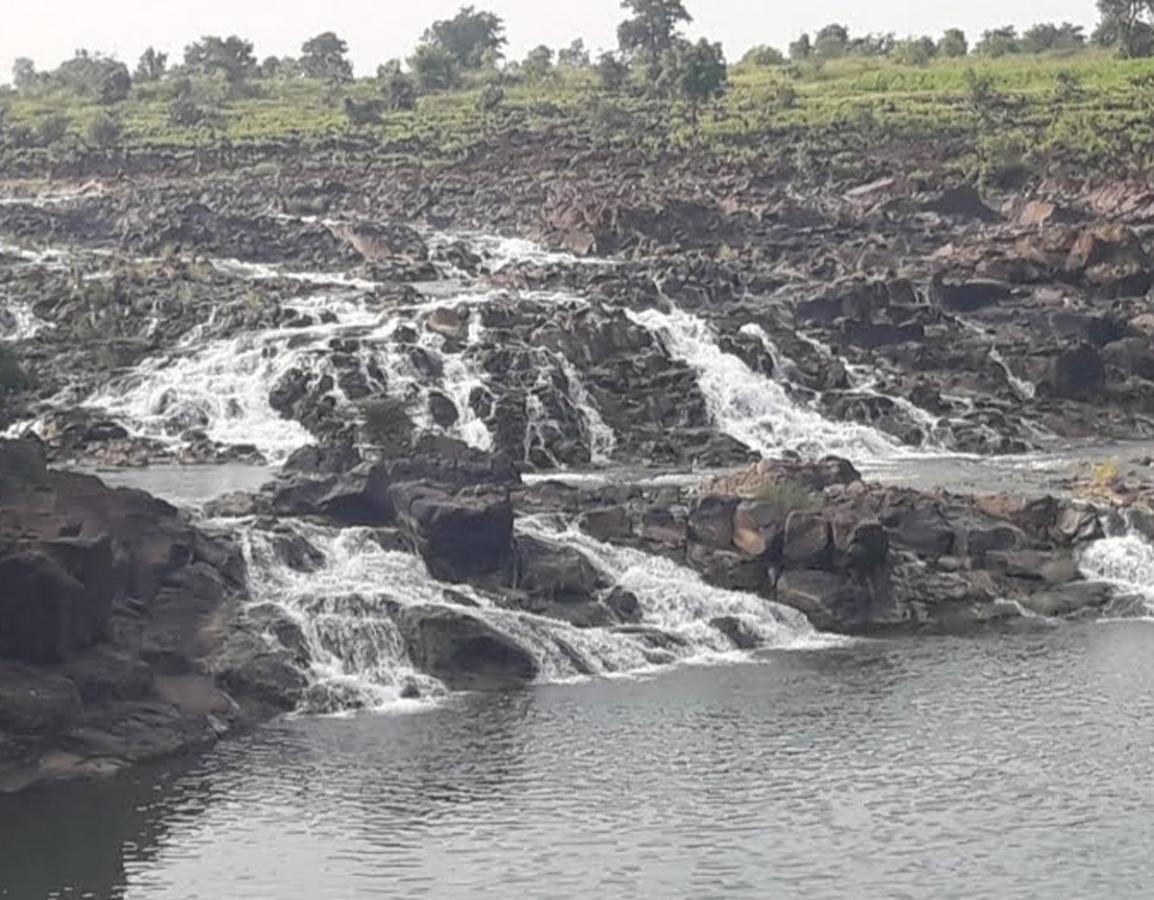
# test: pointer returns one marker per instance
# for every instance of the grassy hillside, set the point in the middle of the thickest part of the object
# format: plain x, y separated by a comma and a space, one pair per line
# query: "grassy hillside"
999, 117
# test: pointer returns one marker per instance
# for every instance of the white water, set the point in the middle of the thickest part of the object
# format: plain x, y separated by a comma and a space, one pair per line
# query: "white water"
359, 659
1126, 562
19, 323
756, 410
676, 599
221, 388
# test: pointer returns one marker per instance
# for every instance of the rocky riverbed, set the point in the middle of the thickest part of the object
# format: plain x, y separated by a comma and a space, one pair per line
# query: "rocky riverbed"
629, 433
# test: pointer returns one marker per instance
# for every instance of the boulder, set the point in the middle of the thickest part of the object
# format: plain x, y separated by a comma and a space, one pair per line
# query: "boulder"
1112, 258
739, 632
459, 536
1077, 374
711, 521
555, 573
57, 598
462, 650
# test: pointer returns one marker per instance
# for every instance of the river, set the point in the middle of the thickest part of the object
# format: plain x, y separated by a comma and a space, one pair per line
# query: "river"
1009, 765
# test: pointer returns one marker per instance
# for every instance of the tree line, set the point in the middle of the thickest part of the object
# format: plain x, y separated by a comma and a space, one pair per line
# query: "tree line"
652, 56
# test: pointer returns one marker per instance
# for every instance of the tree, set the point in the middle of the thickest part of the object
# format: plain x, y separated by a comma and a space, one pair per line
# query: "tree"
1046, 36
914, 51
538, 64
114, 84
872, 45
25, 78
92, 75
701, 73
953, 44
575, 56
435, 68
998, 42
324, 57
652, 29
231, 57
801, 49
611, 73
399, 89
1125, 26
491, 99
152, 66
831, 42
763, 56
468, 36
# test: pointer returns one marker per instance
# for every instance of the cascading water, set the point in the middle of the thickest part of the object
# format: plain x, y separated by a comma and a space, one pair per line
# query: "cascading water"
754, 409
676, 599
220, 387
1125, 561
19, 323
341, 589
862, 380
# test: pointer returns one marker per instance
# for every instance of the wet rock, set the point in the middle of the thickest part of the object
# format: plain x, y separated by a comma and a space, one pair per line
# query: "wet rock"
57, 597
711, 521
462, 650
1069, 599
969, 296
611, 524
829, 600
1077, 374
808, 541
384, 243
739, 632
459, 537
555, 573
443, 410
34, 702
624, 605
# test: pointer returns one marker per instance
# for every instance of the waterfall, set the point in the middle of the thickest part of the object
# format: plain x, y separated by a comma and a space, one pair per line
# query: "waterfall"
753, 409
221, 388
602, 440
19, 323
1125, 561
862, 380
341, 588
675, 598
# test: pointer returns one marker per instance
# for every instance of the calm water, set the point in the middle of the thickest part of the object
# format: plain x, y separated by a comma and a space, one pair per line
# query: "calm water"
1017, 765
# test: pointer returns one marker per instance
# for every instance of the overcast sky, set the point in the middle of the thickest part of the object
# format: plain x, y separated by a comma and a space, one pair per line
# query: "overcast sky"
378, 30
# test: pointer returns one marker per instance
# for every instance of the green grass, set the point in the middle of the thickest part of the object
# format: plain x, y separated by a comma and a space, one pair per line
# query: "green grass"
847, 104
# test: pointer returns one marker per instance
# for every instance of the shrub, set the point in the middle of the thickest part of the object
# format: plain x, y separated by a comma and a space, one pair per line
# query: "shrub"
363, 112
611, 73
788, 496
104, 131
53, 130
399, 89
491, 98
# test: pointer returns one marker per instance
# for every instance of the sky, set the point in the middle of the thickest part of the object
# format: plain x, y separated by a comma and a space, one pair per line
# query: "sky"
378, 30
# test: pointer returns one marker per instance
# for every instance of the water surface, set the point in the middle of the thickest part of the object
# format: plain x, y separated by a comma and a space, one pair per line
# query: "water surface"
1011, 765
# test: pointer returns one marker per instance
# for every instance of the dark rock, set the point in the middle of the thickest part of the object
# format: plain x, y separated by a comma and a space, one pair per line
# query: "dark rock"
1077, 374
462, 650
57, 598
460, 536
740, 634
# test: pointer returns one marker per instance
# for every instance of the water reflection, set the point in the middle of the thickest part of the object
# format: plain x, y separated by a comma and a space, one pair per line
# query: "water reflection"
1011, 765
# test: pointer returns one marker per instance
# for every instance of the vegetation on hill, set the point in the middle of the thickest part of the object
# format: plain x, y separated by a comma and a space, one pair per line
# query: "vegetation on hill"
1005, 107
